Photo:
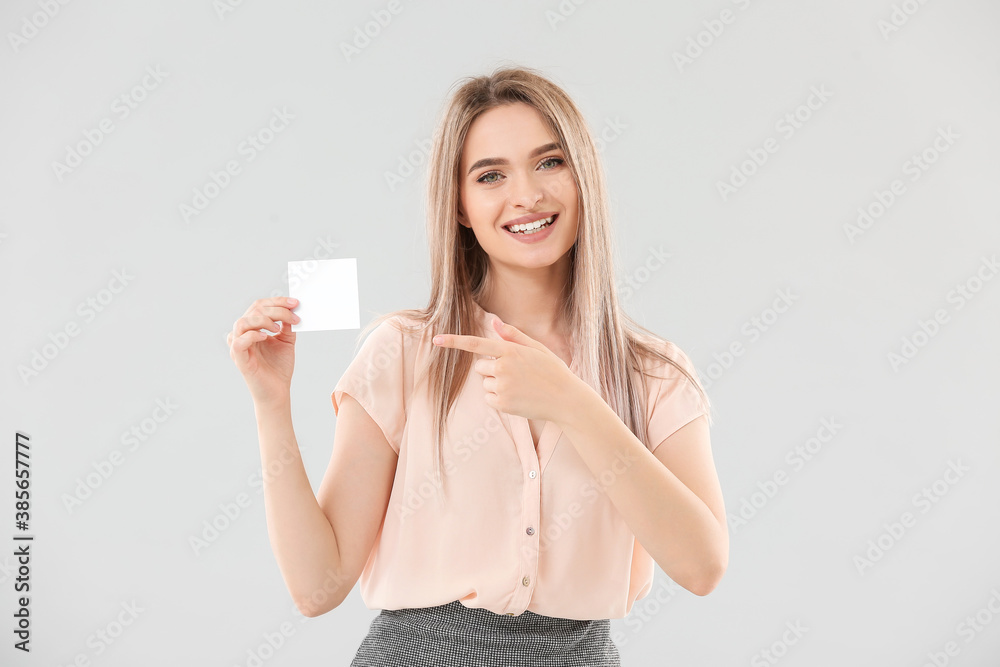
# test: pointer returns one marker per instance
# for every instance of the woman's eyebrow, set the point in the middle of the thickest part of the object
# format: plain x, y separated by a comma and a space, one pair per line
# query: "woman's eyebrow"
494, 161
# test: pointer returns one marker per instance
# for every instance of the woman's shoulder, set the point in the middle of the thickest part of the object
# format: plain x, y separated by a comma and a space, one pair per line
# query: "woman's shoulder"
652, 349
660, 356
408, 322
670, 373
396, 332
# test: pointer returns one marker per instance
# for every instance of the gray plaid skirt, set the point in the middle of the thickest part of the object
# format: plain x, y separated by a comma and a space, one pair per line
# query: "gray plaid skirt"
453, 635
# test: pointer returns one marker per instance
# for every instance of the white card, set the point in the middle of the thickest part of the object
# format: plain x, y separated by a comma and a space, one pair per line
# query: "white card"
327, 290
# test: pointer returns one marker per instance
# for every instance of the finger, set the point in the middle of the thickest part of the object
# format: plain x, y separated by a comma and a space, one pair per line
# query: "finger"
281, 327
284, 301
486, 367
264, 306
512, 333
251, 321
276, 315
243, 342
266, 317
475, 344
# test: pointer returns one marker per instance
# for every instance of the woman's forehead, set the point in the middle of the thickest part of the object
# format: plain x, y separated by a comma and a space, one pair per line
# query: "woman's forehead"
506, 133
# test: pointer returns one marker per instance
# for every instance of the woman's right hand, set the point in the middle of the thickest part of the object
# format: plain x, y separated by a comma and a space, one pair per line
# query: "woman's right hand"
266, 362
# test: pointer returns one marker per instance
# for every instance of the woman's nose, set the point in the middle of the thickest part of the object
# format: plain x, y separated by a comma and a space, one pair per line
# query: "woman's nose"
526, 193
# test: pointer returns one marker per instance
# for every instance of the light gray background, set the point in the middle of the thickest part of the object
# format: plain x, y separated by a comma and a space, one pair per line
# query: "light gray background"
323, 181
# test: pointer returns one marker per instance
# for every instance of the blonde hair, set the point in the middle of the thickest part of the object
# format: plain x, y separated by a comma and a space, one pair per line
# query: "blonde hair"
607, 341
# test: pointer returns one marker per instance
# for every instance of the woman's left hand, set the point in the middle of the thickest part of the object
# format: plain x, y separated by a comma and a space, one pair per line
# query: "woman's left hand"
524, 378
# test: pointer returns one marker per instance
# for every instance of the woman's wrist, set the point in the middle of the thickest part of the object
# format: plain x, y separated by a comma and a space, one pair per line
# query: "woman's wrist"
273, 404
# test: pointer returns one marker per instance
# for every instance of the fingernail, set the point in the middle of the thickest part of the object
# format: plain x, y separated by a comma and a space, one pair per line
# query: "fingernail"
438, 339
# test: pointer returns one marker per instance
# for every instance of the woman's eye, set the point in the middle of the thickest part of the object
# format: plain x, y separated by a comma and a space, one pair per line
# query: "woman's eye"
495, 176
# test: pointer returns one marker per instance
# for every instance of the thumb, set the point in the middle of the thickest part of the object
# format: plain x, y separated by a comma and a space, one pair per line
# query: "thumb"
511, 333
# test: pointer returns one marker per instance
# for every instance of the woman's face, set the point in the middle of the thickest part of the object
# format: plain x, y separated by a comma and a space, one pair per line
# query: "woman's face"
511, 169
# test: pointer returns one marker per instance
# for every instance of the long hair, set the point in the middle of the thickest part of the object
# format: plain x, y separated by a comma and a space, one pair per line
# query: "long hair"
610, 345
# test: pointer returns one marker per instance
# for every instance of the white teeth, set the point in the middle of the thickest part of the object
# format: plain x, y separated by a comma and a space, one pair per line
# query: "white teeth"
530, 225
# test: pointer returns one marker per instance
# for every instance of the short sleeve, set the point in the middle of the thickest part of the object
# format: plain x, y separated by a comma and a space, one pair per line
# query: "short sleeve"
674, 401
375, 379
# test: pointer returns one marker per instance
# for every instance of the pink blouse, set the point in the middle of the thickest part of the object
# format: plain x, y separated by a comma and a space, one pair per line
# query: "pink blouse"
523, 529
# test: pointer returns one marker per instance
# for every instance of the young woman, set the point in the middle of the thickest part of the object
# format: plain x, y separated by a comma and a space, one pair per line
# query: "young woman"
505, 515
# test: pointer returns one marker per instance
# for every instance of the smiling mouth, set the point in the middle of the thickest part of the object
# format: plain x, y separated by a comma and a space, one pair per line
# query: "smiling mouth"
532, 227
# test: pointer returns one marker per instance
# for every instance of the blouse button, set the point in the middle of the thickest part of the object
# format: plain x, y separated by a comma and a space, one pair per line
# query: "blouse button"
530, 531
532, 474
526, 581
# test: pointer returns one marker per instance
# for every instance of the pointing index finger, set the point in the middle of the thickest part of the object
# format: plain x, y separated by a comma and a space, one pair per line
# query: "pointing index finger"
475, 344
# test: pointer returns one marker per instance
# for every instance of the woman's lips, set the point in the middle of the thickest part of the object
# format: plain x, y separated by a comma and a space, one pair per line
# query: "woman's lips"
538, 235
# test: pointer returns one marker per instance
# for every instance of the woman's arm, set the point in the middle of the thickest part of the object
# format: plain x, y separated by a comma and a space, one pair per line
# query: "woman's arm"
322, 543
670, 498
